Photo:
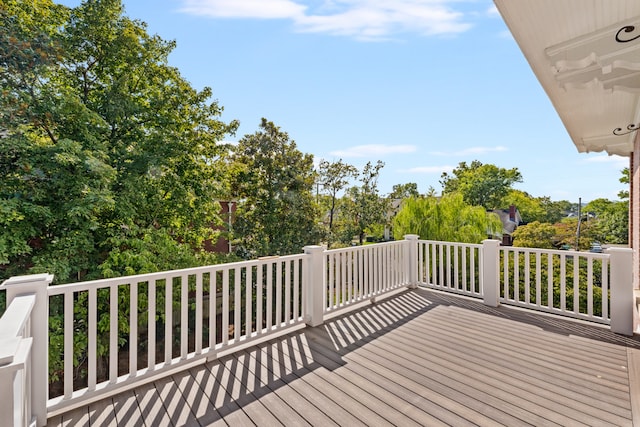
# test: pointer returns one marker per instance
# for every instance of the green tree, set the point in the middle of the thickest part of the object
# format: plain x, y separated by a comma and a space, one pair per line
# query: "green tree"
611, 224
333, 177
625, 179
274, 183
105, 143
107, 155
448, 219
535, 235
404, 191
480, 184
364, 207
554, 210
529, 207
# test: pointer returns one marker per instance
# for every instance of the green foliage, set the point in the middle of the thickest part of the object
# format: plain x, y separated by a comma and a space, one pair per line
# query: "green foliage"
363, 206
554, 210
447, 219
333, 177
535, 235
102, 139
404, 191
274, 184
612, 224
625, 179
480, 184
530, 208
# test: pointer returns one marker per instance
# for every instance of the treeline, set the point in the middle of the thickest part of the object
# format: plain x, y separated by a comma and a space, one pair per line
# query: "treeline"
111, 163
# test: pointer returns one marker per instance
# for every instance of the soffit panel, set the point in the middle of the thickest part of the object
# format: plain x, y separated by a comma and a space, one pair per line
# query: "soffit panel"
592, 81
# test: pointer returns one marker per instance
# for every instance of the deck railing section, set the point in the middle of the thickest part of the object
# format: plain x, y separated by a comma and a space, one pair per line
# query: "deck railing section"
128, 328
24, 351
15, 362
361, 273
568, 283
451, 267
111, 334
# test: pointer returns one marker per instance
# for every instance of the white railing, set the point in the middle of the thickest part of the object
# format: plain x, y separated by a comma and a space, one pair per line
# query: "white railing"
568, 283
451, 267
114, 333
24, 352
181, 317
361, 273
15, 362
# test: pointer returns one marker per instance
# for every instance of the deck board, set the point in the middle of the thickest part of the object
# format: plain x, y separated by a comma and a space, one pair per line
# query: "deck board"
419, 358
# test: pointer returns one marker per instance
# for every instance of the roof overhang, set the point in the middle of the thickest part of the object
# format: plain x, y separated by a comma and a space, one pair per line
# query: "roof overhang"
586, 55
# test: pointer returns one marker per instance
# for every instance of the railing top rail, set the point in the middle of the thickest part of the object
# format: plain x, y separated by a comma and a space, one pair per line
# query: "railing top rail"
16, 316
140, 278
471, 245
365, 247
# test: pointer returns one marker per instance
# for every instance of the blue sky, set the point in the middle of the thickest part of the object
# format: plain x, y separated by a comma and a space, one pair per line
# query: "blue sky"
419, 84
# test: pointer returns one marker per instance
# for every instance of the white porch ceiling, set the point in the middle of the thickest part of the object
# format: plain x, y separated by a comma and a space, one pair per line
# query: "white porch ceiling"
586, 55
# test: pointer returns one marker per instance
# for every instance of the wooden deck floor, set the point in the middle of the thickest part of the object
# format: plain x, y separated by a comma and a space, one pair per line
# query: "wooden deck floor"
418, 358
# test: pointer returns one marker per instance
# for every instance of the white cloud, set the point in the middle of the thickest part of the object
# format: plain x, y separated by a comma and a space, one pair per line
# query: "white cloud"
618, 162
361, 19
262, 9
429, 169
374, 150
471, 151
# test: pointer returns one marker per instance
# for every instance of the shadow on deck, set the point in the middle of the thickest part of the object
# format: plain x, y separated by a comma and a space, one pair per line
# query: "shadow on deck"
418, 358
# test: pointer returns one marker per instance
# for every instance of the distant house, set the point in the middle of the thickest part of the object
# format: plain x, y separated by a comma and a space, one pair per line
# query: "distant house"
227, 214
511, 219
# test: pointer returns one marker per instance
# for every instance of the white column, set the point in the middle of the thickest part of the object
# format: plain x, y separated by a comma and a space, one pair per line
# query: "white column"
36, 284
622, 298
314, 286
490, 267
411, 255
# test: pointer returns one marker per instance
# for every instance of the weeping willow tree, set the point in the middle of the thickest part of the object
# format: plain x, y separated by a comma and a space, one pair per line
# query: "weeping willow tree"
447, 219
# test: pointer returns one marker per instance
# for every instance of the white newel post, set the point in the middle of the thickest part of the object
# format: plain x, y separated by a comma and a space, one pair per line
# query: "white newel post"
490, 268
411, 255
622, 298
37, 285
314, 286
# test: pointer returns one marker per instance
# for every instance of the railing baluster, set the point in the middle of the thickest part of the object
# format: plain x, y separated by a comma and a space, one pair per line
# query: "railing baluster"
269, 306
563, 283
133, 329
259, 297
225, 306
184, 316
576, 284
237, 303
68, 345
199, 319
213, 309
279, 284
605, 288
538, 279
296, 290
287, 292
550, 280
465, 283
590, 287
92, 339
248, 301
151, 325
113, 333
168, 320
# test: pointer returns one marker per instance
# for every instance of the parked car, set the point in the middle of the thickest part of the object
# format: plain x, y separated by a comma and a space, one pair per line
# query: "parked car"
596, 247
